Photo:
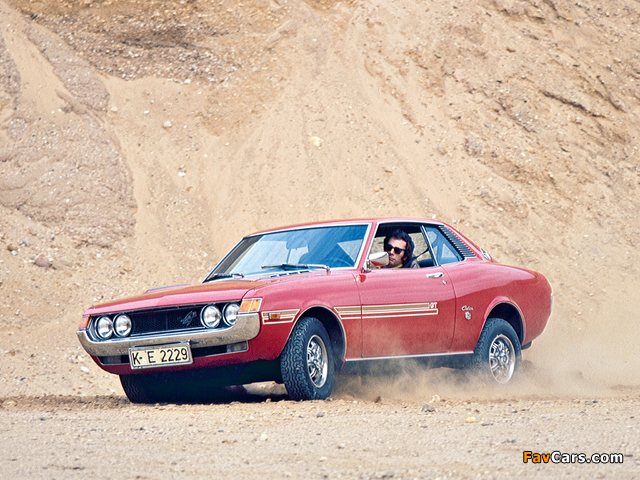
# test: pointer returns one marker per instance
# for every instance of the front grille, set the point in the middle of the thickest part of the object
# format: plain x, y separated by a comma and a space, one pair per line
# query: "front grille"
166, 320
163, 320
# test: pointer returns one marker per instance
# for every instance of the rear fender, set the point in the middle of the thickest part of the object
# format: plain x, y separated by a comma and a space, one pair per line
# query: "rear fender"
505, 309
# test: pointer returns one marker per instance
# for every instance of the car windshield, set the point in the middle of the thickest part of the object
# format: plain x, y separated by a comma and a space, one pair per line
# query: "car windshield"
299, 249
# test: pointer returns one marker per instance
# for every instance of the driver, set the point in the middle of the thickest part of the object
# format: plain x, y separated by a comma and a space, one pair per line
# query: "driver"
399, 246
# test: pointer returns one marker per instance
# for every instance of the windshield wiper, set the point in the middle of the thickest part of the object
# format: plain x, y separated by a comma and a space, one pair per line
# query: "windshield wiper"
293, 266
215, 276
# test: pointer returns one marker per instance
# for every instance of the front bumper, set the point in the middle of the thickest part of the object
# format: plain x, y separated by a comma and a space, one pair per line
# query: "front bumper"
246, 328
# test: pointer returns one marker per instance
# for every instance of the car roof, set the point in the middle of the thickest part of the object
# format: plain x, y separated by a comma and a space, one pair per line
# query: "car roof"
360, 221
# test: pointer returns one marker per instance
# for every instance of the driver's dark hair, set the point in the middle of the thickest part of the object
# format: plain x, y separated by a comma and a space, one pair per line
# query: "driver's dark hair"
402, 235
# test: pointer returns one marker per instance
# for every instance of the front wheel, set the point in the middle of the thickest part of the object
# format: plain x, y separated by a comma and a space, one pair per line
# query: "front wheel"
498, 355
307, 364
145, 389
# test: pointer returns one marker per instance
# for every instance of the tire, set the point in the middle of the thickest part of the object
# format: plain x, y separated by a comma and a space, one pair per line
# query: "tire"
307, 363
145, 389
498, 356
153, 388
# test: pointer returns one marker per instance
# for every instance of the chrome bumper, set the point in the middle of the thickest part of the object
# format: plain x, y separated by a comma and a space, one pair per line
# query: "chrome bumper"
247, 327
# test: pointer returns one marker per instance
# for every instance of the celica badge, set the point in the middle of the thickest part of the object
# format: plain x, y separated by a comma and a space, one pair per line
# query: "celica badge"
467, 312
188, 318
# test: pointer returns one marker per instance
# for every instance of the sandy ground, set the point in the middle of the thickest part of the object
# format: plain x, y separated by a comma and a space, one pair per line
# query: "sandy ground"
104, 437
140, 140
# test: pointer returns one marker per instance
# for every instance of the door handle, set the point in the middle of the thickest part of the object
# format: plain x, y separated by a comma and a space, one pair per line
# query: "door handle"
434, 275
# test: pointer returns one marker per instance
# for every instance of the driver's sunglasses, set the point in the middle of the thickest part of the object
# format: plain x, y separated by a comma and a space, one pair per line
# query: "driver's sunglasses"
396, 250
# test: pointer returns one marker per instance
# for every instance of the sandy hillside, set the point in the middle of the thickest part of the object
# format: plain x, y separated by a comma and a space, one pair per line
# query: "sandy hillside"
139, 140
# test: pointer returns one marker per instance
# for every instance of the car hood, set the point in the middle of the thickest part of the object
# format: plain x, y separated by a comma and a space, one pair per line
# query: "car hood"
220, 290
210, 292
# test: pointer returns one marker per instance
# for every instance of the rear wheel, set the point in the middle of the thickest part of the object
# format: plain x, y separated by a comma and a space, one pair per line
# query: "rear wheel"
307, 362
498, 355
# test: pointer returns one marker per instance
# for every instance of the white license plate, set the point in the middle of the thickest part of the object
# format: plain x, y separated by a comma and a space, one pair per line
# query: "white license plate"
162, 356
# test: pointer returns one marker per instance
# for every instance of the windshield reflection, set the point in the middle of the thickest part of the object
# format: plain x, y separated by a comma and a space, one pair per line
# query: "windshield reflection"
300, 249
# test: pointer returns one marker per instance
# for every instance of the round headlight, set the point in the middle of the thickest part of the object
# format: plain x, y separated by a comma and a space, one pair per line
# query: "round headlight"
122, 325
104, 327
211, 316
230, 314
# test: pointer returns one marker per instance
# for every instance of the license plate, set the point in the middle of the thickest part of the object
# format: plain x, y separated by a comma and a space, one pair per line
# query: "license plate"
162, 356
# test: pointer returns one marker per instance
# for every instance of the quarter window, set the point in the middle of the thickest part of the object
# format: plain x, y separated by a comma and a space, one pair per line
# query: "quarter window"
443, 250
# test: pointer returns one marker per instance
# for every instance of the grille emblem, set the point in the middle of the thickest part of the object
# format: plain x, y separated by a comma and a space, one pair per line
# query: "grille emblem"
187, 319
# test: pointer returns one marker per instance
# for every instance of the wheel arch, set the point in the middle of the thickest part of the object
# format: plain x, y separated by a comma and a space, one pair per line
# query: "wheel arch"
334, 328
510, 313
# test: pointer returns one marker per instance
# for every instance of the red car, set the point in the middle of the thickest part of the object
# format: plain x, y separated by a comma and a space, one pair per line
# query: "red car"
295, 305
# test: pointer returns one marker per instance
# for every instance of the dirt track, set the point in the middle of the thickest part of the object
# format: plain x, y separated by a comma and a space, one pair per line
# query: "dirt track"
106, 437
140, 140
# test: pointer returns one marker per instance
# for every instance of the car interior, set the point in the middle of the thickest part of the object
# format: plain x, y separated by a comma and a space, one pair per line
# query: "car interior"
438, 250
421, 250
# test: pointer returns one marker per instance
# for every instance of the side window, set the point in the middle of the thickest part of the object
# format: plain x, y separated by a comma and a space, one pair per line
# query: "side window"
421, 250
443, 251
421, 247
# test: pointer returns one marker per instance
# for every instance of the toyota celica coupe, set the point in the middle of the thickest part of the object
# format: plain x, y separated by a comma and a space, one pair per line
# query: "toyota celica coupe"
295, 305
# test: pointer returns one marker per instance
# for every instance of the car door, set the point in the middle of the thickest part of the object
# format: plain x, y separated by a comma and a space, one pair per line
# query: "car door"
406, 311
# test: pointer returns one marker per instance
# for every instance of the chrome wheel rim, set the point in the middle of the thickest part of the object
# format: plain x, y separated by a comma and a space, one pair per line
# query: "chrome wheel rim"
317, 361
502, 359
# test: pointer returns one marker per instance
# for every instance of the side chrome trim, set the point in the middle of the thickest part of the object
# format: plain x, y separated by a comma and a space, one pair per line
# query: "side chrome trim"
352, 313
246, 328
399, 310
421, 355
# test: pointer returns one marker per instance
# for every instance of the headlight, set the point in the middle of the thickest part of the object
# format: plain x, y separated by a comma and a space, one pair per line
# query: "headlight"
122, 325
211, 316
230, 314
104, 327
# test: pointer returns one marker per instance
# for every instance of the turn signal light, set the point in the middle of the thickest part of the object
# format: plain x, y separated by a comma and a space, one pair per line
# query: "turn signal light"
250, 305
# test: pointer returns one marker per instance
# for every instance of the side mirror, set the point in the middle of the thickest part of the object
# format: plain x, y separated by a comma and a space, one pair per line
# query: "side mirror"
378, 259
